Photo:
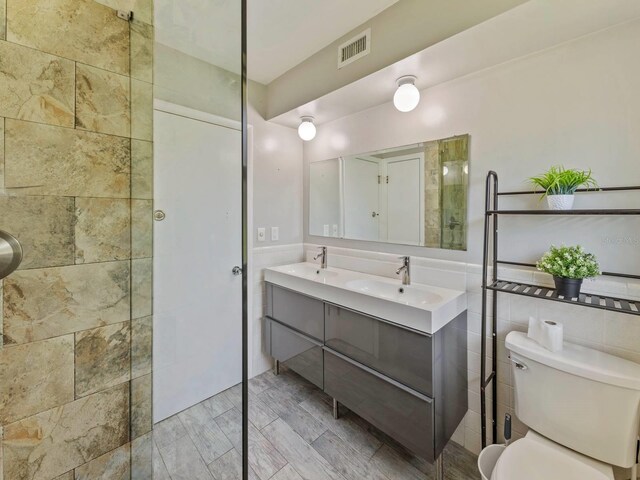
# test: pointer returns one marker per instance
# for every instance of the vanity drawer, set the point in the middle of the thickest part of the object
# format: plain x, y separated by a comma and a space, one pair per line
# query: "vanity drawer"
301, 354
401, 413
399, 353
305, 314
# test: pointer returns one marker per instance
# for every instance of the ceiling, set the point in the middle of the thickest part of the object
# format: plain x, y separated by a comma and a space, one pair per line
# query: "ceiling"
283, 33
524, 30
280, 33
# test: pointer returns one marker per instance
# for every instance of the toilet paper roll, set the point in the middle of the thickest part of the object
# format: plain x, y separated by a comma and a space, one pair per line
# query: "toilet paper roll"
546, 333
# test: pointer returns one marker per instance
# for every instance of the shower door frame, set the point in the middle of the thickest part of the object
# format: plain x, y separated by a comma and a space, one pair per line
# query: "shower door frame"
245, 244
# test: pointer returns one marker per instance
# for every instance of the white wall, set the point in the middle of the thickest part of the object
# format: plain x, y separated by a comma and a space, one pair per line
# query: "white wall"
277, 180
577, 104
277, 202
324, 197
188, 81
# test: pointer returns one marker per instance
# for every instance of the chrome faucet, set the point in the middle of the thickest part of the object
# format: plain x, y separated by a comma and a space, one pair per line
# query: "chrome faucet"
405, 269
323, 255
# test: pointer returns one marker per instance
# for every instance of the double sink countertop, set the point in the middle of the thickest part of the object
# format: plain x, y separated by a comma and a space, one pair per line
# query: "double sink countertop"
424, 308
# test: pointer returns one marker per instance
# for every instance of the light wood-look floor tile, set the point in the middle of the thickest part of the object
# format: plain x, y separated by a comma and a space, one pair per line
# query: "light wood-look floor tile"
292, 436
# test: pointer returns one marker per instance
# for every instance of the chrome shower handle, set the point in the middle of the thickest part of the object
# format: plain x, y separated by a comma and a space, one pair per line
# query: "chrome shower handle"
10, 254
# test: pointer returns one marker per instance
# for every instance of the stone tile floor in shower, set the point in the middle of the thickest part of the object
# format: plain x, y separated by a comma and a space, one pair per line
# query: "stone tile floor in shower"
293, 436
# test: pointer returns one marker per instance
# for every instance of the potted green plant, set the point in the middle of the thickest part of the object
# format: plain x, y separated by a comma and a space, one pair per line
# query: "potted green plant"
560, 185
569, 266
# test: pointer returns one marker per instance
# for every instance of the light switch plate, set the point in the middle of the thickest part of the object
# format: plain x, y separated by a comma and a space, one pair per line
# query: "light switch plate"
325, 230
262, 234
275, 234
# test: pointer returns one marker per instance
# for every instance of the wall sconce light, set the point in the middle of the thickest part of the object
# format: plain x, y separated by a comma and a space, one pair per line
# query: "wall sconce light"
307, 130
407, 95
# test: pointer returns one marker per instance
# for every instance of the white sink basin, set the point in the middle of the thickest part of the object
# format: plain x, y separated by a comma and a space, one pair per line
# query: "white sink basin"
407, 294
309, 270
421, 307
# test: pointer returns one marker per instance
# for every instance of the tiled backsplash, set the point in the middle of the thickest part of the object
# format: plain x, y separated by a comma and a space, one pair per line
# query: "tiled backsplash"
615, 333
75, 179
428, 271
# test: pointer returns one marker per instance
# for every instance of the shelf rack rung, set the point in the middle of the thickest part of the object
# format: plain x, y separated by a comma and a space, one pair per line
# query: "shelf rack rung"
614, 304
583, 212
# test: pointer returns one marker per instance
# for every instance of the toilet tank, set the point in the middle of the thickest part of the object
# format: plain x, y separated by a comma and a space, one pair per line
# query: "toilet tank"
581, 398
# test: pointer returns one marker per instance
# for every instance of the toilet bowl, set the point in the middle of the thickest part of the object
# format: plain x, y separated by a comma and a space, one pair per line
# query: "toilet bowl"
582, 408
535, 457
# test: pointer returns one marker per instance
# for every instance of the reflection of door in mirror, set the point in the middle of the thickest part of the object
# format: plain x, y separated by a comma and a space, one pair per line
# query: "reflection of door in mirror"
361, 199
404, 199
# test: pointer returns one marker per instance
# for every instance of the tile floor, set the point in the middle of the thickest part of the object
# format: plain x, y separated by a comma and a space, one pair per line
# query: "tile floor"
293, 436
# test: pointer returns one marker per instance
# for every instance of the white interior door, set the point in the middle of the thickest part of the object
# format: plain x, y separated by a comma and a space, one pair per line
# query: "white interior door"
405, 200
197, 299
361, 200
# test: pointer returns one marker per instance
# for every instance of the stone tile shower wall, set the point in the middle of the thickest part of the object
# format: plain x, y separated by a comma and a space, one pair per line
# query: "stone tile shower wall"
445, 199
432, 195
454, 154
76, 179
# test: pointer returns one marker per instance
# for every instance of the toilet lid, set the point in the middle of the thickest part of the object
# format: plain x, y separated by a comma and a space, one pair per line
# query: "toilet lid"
537, 458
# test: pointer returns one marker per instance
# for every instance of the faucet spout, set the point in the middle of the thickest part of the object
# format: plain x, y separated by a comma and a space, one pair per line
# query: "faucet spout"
405, 269
323, 256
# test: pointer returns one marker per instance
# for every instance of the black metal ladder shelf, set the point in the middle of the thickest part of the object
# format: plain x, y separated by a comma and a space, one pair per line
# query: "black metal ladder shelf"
496, 285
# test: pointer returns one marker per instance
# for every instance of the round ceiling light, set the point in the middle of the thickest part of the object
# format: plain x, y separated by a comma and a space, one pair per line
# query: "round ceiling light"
307, 130
407, 95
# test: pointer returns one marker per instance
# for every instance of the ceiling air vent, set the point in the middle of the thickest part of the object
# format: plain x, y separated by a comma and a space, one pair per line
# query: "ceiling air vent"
353, 49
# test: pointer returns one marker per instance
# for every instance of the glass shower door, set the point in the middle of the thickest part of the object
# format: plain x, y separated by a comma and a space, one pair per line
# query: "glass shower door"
78, 82
76, 142
197, 229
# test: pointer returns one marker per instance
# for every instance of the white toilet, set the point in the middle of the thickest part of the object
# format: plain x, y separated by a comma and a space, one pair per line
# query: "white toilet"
583, 410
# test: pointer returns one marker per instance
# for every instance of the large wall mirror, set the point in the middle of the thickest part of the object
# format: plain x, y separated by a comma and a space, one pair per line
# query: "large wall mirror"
412, 195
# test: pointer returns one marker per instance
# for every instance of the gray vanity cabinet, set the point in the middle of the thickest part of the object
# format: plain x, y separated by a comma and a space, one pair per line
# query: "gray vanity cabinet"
294, 332
300, 312
399, 353
298, 352
409, 384
400, 412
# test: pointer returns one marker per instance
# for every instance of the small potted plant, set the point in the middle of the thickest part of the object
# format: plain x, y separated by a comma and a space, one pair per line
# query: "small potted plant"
560, 185
569, 266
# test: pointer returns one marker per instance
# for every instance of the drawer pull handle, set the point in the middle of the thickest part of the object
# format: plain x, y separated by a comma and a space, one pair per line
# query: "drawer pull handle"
296, 333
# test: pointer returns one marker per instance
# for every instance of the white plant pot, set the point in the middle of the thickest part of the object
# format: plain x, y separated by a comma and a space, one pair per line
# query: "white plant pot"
560, 202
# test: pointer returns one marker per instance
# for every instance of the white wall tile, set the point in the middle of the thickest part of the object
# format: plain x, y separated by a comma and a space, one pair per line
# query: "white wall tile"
622, 331
581, 323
